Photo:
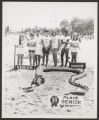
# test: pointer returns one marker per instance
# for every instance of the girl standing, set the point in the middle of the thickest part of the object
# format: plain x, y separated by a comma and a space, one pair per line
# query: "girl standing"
74, 47
38, 51
55, 47
31, 46
20, 50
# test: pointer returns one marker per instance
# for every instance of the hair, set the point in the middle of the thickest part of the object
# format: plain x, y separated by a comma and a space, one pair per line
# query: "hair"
20, 39
45, 31
76, 36
31, 34
53, 33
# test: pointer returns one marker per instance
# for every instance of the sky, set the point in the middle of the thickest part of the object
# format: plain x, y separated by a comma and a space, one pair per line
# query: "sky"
19, 15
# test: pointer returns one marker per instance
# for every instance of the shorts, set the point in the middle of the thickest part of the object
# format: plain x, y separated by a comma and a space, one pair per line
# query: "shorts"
54, 50
31, 51
46, 51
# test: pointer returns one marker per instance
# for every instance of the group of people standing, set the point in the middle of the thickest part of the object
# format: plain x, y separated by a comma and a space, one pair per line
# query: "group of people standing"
41, 45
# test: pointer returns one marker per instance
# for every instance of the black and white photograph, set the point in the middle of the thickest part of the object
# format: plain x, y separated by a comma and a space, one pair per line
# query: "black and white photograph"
49, 59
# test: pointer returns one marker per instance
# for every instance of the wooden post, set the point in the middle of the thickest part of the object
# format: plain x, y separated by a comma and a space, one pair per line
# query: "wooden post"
14, 55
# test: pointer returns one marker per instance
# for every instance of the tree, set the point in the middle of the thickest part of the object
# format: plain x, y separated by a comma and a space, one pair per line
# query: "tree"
90, 26
82, 25
65, 26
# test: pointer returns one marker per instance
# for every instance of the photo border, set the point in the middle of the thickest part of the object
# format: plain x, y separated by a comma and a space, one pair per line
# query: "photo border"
1, 57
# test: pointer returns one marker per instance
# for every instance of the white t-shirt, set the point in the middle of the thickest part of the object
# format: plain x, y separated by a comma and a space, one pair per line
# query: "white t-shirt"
31, 44
68, 40
46, 41
60, 37
55, 41
38, 41
27, 36
38, 50
22, 49
74, 47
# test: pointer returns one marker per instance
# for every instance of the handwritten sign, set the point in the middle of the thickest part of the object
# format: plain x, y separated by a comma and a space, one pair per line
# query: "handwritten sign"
69, 101
77, 65
27, 67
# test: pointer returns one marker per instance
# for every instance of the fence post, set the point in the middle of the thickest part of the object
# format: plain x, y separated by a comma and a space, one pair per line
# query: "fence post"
14, 55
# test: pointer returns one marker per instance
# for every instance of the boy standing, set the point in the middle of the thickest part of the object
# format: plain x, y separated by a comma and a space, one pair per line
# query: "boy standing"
46, 43
38, 51
55, 47
65, 48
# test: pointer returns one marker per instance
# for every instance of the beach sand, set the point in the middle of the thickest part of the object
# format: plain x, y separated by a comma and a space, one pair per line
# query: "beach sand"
17, 103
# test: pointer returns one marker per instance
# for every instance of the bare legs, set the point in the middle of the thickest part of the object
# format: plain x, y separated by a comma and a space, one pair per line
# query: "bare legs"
66, 52
55, 56
20, 59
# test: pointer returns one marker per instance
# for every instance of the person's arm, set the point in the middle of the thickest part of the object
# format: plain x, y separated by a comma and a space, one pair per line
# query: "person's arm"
71, 44
59, 44
20, 40
66, 42
80, 39
79, 45
50, 42
42, 42
63, 42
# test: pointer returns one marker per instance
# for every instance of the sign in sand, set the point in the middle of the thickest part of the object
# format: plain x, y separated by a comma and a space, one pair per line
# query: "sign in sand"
77, 65
71, 101
27, 67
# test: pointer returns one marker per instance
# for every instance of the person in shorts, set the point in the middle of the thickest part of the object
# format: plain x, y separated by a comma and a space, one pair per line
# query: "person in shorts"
46, 43
31, 48
21, 49
38, 50
74, 47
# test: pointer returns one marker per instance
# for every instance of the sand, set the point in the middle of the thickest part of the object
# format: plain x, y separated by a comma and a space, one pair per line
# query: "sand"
17, 103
